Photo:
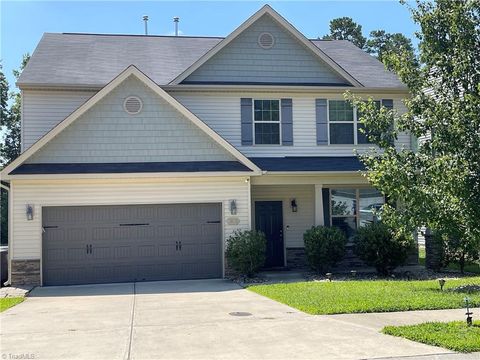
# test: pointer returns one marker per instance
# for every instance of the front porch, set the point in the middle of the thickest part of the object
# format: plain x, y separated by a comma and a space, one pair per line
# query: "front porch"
285, 206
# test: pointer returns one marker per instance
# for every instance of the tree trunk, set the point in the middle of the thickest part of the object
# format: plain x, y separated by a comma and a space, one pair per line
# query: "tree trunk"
433, 251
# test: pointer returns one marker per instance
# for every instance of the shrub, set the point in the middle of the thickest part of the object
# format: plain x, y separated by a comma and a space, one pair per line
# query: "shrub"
324, 246
379, 246
246, 251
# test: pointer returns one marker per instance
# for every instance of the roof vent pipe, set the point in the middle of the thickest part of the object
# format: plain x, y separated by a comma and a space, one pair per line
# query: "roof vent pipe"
145, 19
176, 19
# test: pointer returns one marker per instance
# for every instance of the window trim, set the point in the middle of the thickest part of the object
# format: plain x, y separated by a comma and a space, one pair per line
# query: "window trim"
354, 122
357, 189
254, 143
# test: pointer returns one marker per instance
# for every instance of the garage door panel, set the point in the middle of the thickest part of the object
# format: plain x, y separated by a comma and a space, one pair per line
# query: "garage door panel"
95, 244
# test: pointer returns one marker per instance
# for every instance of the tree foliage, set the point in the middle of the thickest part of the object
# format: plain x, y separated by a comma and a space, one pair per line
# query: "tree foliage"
380, 43
11, 121
383, 45
345, 28
438, 185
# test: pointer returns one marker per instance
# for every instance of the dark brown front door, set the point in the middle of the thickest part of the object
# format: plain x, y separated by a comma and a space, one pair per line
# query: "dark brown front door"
269, 220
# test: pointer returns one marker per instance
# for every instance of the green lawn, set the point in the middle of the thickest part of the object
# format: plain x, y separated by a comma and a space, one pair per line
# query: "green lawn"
469, 267
6, 303
344, 297
456, 335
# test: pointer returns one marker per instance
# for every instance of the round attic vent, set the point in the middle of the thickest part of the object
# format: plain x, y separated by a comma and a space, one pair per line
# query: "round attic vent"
266, 40
133, 105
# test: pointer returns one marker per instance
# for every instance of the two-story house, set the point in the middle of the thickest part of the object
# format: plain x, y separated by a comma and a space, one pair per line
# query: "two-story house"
142, 154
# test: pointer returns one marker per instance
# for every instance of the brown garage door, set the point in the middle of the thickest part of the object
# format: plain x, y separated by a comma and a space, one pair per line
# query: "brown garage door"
100, 244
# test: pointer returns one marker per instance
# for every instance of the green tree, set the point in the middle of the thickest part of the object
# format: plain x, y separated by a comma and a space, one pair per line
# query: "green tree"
345, 28
439, 184
11, 124
383, 45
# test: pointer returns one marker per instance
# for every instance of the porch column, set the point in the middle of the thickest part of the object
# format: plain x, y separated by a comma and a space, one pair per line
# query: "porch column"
318, 205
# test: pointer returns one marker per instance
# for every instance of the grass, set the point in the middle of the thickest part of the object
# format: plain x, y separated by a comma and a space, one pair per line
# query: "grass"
469, 266
6, 303
347, 297
456, 335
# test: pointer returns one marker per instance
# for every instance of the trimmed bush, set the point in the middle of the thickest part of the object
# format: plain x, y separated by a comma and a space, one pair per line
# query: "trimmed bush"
324, 246
246, 251
379, 246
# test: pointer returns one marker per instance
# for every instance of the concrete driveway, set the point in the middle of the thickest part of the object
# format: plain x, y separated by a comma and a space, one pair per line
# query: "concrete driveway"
185, 320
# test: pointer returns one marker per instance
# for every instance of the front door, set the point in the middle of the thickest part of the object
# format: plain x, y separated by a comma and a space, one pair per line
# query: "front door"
269, 220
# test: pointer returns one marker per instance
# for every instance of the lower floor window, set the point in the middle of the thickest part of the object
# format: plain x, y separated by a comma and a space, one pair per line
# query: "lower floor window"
351, 208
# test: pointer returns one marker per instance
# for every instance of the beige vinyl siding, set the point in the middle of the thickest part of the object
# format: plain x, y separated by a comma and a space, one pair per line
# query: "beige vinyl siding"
294, 224
43, 109
221, 111
106, 133
27, 235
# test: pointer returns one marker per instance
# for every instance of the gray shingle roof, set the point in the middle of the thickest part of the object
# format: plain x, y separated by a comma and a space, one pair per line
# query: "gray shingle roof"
94, 60
118, 168
311, 163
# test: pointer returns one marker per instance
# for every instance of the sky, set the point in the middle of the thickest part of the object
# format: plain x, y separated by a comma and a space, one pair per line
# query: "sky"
24, 22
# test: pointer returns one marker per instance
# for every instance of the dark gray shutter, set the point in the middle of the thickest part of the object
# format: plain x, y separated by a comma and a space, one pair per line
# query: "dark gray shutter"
287, 122
388, 103
246, 114
326, 206
322, 121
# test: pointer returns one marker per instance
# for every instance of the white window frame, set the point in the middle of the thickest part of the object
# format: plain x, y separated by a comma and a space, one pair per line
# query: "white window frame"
267, 122
355, 124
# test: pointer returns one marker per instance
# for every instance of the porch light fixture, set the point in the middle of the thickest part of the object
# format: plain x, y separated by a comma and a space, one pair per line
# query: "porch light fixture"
233, 207
293, 205
29, 212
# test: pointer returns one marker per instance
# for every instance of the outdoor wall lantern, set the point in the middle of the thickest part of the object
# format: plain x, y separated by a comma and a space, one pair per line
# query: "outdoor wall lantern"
233, 207
29, 212
294, 206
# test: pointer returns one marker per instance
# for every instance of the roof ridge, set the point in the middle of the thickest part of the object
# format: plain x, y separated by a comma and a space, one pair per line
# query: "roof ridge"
143, 36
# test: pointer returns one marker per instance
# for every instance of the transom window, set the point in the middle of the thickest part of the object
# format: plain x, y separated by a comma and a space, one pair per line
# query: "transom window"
352, 208
344, 127
266, 119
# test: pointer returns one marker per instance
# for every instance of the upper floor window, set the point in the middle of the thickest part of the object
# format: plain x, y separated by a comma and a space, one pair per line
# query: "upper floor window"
344, 127
266, 117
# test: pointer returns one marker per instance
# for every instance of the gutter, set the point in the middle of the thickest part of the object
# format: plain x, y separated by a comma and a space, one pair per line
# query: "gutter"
230, 88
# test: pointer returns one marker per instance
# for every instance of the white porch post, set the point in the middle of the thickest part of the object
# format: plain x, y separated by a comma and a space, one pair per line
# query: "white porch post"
318, 205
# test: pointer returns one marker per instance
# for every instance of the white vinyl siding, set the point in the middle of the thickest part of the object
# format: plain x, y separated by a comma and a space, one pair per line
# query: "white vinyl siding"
221, 111
294, 223
43, 109
27, 235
